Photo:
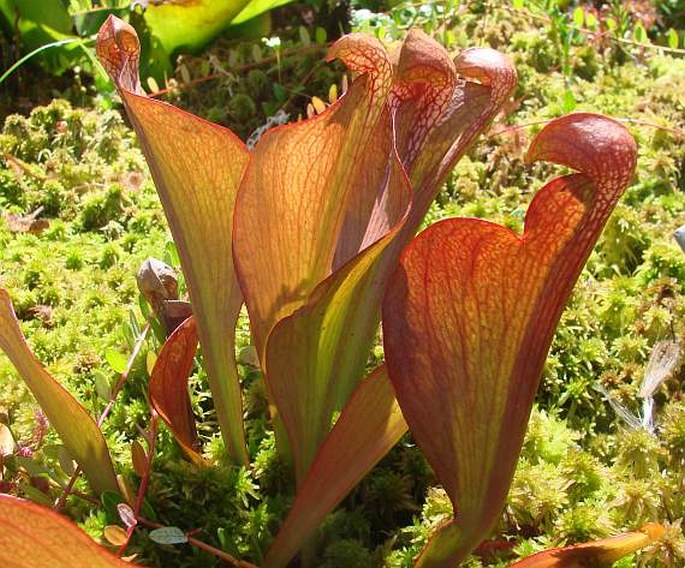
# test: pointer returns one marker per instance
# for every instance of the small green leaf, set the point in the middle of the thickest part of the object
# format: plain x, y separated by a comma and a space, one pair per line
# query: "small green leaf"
673, 38
320, 35
611, 24
639, 33
518, 4
66, 462
279, 92
150, 360
35, 495
116, 360
305, 40
221, 536
578, 17
102, 386
33, 468
591, 20
569, 101
168, 535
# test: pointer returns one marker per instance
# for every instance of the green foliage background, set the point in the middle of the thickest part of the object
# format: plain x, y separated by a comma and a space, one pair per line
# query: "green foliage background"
584, 473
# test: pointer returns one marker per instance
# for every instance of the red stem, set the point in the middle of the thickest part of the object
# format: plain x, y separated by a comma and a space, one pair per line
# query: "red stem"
204, 546
115, 392
151, 438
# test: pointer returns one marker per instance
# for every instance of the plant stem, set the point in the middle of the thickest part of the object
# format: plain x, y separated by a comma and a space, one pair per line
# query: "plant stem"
204, 546
142, 488
117, 388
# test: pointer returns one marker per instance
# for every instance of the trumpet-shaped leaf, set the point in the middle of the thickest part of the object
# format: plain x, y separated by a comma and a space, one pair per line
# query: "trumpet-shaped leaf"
32, 535
325, 209
470, 314
319, 231
288, 225
75, 426
369, 426
599, 554
196, 166
168, 387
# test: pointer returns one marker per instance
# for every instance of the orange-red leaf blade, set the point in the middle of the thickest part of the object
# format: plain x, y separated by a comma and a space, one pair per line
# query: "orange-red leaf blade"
469, 317
368, 427
32, 535
599, 554
325, 343
294, 197
197, 167
75, 426
441, 107
168, 387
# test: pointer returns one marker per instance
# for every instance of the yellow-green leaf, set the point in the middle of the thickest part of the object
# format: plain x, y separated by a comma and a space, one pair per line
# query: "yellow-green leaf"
75, 426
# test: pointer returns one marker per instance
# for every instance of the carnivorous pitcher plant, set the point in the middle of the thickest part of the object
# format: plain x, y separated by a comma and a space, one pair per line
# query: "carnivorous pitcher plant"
314, 231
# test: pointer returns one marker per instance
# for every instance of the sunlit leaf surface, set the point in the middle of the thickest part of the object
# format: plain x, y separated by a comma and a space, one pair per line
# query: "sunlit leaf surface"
32, 535
196, 166
599, 554
168, 387
469, 318
75, 426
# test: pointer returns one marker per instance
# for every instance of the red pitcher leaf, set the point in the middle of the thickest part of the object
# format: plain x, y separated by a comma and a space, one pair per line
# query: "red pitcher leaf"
368, 427
322, 343
441, 107
32, 535
598, 554
293, 199
75, 426
197, 167
470, 314
168, 387
426, 79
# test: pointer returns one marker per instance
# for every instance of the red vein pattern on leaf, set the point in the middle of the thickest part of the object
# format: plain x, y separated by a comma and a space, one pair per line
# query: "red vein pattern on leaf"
118, 49
364, 54
469, 317
427, 76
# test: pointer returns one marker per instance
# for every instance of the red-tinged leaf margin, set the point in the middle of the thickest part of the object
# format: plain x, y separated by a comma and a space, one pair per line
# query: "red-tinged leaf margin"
368, 427
292, 201
441, 107
168, 387
470, 315
197, 167
434, 89
303, 263
32, 535
77, 429
598, 554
